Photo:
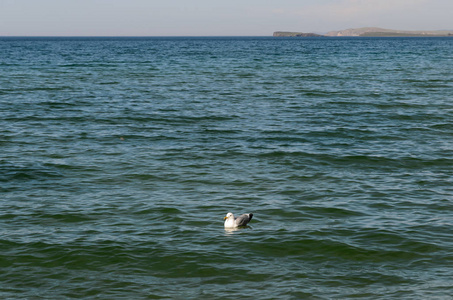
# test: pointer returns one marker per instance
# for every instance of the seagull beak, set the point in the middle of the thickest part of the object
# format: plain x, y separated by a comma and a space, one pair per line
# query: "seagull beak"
225, 218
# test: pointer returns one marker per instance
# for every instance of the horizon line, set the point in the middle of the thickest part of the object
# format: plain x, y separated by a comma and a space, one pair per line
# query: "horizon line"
107, 36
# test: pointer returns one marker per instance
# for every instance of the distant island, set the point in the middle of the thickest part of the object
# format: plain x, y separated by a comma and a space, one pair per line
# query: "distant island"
369, 32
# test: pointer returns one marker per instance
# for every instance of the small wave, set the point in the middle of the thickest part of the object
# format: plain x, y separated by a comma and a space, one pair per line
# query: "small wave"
27, 172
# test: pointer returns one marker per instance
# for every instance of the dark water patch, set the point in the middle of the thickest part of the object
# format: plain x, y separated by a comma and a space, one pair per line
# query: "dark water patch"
68, 217
443, 126
11, 172
358, 161
334, 212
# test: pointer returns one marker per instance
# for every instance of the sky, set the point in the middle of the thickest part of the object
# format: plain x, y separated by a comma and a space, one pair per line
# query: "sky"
216, 18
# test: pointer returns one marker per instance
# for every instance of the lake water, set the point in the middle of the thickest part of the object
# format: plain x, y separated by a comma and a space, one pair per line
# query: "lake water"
119, 158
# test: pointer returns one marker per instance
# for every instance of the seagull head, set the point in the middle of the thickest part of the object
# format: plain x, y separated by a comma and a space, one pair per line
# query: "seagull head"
229, 215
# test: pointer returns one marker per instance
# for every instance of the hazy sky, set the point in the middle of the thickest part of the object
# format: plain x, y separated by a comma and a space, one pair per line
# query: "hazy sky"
214, 17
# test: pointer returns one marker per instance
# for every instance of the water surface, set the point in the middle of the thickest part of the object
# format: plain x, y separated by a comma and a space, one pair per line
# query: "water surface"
120, 157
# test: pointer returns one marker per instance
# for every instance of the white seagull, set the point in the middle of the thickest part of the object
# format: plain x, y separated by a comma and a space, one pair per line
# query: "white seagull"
232, 222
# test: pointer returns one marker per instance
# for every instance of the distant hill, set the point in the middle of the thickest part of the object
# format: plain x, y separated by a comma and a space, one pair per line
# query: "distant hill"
375, 31
371, 32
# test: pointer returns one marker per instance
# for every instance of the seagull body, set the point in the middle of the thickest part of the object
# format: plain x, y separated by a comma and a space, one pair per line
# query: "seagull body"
232, 222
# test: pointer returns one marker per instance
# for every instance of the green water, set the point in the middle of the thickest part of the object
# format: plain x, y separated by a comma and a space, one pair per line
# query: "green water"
119, 158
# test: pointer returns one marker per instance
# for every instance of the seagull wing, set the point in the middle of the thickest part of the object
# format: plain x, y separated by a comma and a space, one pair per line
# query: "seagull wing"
243, 220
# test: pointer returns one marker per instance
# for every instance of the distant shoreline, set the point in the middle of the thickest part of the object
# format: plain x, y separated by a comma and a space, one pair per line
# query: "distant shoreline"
368, 32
